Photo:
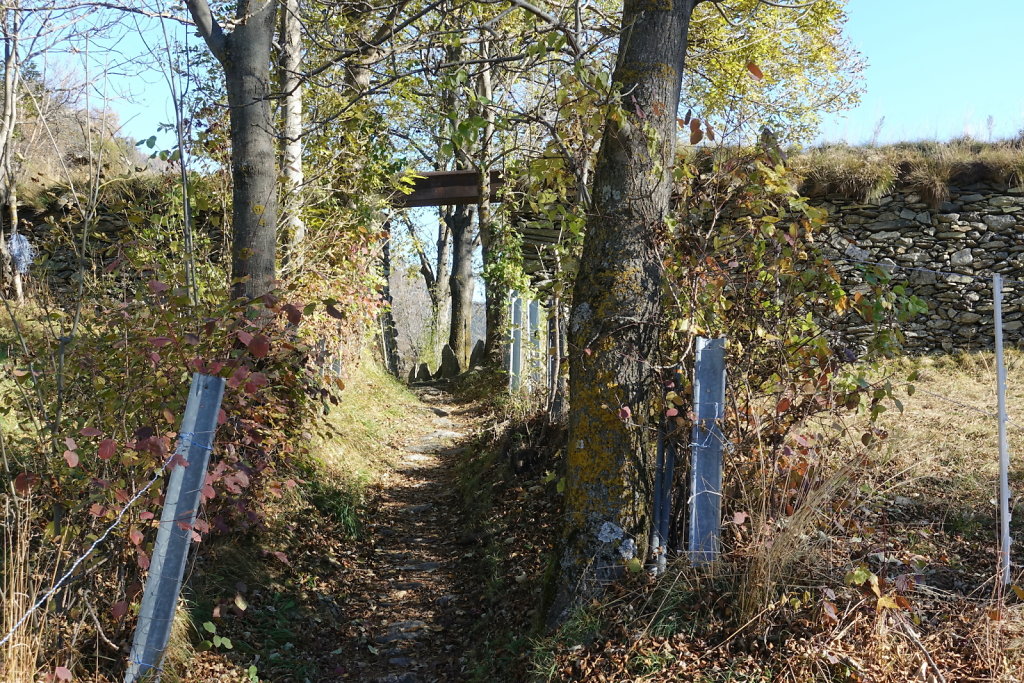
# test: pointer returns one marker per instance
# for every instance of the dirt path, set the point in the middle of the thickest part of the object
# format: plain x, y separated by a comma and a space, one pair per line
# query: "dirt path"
415, 627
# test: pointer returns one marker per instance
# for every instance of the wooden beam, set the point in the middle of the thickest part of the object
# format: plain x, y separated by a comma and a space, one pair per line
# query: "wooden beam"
447, 188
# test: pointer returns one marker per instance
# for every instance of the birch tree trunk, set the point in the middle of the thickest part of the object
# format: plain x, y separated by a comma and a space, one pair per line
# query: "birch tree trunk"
10, 28
291, 130
613, 328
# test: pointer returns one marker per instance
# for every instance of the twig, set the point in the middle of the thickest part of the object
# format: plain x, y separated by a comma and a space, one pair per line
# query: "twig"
916, 640
99, 629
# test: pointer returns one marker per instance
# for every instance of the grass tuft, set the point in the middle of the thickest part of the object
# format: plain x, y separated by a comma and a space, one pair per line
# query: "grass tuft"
928, 168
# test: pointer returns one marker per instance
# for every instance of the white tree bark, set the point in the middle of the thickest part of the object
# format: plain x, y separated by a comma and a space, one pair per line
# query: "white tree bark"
291, 146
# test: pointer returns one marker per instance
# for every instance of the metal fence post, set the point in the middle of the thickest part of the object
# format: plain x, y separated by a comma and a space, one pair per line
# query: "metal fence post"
1004, 449
181, 503
533, 313
516, 360
707, 442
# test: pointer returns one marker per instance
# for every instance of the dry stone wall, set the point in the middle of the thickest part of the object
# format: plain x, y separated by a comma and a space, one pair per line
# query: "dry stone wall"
944, 255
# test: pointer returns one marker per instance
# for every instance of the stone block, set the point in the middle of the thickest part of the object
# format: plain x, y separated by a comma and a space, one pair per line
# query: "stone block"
476, 358
1000, 222
449, 364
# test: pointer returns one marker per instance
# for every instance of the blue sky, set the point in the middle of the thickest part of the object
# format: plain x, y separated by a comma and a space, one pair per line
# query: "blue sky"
937, 69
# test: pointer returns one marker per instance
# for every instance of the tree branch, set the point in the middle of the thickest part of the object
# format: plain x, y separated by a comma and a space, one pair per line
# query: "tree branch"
208, 27
555, 23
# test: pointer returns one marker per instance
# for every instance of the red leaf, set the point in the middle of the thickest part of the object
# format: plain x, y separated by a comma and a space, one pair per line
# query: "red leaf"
259, 346
244, 337
238, 376
671, 412
72, 446
625, 413
62, 673
710, 132
755, 71
293, 313
135, 536
142, 559
222, 417
783, 405
90, 431
281, 556
334, 312
258, 379
696, 135
107, 449
159, 342
71, 458
689, 115
25, 481
739, 518
146, 515
119, 610
156, 286
96, 510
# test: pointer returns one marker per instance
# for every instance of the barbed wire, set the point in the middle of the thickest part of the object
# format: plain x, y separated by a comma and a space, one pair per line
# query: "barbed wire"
185, 440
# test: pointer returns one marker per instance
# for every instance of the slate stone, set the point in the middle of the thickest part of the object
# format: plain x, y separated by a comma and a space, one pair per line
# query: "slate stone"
961, 258
1000, 222
449, 364
423, 373
477, 357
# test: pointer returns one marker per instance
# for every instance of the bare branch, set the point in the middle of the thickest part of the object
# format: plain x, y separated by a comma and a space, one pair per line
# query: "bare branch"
555, 23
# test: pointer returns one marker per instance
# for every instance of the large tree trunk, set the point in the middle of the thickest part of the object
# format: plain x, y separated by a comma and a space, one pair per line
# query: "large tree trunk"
613, 329
253, 161
460, 223
245, 55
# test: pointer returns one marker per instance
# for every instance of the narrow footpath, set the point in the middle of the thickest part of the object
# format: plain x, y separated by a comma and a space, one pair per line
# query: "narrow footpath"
416, 628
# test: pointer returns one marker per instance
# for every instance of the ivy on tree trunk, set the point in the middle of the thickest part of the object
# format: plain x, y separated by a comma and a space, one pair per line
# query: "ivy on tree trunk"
613, 328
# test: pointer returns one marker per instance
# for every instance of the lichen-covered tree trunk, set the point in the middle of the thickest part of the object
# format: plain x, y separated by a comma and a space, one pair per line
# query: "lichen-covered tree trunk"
460, 223
613, 328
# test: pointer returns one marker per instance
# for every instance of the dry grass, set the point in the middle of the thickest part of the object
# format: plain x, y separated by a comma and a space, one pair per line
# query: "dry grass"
949, 450
19, 588
928, 168
919, 515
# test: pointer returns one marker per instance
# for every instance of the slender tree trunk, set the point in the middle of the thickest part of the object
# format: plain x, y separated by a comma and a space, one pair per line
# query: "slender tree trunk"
463, 244
389, 331
613, 329
9, 25
291, 130
495, 288
497, 309
245, 55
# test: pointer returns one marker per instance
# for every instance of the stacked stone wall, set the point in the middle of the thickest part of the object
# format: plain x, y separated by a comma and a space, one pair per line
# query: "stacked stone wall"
945, 255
